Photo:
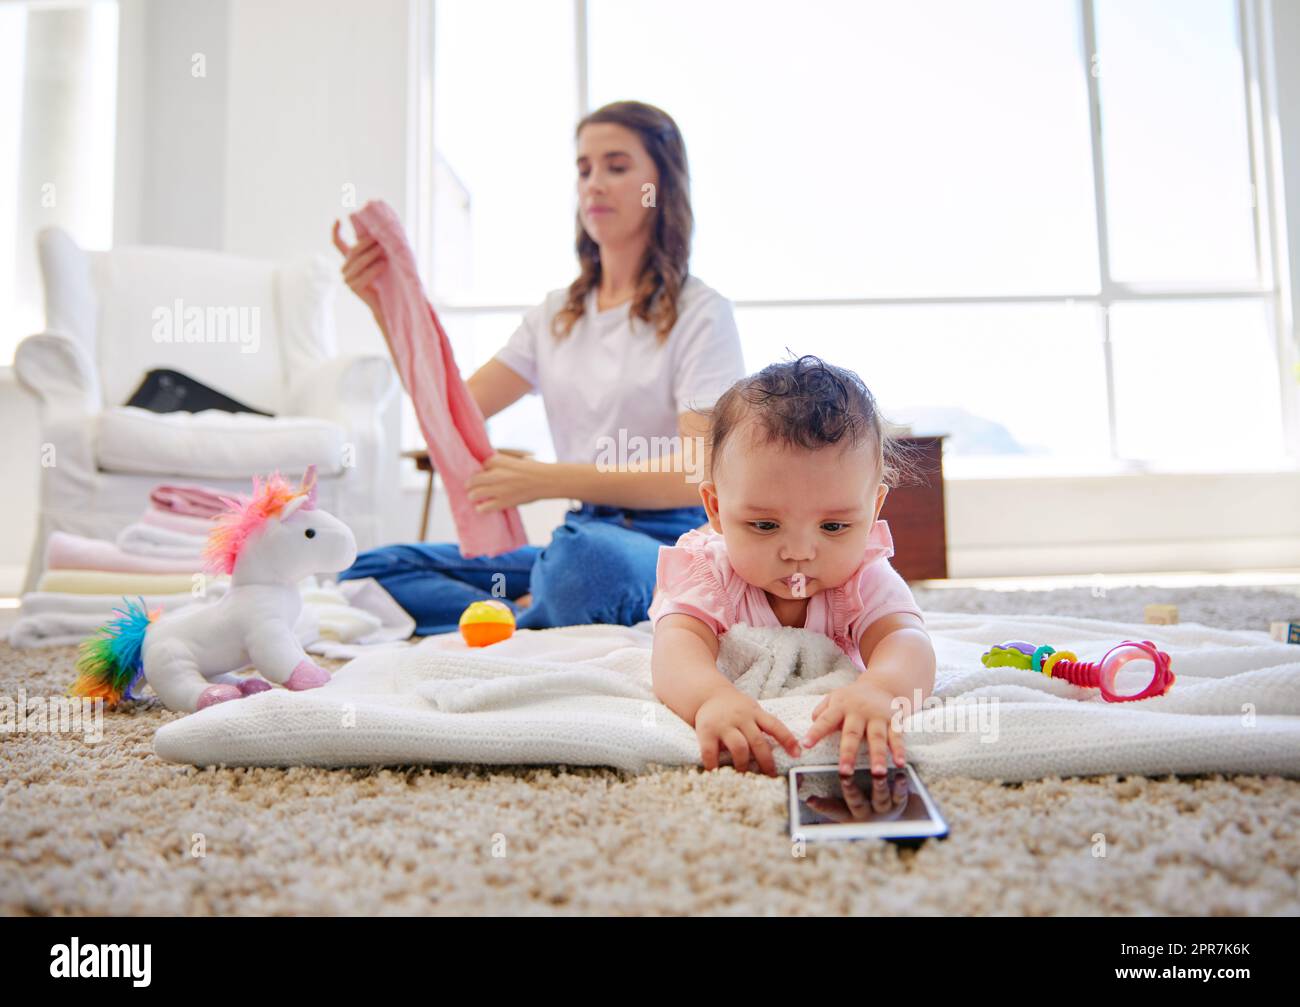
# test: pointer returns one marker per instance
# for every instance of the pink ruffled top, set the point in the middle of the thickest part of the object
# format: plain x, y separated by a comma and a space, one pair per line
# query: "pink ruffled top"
696, 578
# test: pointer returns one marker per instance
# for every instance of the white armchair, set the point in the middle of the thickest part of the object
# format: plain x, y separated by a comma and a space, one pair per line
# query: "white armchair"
261, 332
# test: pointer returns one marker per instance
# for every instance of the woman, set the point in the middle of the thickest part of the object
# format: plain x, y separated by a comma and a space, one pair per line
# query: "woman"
625, 353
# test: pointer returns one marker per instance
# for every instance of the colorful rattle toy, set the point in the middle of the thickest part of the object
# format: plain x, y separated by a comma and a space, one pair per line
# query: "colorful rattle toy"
1090, 674
487, 622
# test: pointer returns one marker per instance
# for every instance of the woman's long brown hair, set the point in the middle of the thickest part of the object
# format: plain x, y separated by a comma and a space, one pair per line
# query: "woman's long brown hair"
664, 269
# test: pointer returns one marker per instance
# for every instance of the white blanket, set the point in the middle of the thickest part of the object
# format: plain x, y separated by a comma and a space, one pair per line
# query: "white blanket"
582, 696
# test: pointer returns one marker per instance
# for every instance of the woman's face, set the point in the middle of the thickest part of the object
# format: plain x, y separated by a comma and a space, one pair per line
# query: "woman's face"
617, 180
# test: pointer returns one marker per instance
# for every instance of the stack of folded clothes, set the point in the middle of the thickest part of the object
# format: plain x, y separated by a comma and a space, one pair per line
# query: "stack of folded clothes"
175, 524
158, 558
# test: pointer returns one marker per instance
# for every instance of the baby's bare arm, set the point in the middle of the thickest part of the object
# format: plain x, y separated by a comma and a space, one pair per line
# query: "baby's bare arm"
899, 656
684, 665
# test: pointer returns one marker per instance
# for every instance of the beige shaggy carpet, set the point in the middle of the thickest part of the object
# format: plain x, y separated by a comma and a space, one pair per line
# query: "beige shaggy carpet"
109, 829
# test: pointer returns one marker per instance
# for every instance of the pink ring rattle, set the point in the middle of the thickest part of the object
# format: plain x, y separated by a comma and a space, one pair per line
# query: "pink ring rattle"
1087, 674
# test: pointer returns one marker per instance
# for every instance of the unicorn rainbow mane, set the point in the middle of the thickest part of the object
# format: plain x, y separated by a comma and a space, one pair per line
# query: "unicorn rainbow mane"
109, 664
245, 516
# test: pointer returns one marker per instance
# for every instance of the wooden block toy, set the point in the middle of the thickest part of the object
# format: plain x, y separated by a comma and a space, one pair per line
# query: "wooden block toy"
1162, 615
1285, 632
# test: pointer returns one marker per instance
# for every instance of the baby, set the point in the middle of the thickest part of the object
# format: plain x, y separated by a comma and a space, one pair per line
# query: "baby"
796, 482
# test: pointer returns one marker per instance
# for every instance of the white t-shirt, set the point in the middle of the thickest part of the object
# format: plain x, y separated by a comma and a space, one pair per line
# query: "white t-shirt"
612, 374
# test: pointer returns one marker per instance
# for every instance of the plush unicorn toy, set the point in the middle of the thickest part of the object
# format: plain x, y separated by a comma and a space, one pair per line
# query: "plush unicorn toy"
267, 543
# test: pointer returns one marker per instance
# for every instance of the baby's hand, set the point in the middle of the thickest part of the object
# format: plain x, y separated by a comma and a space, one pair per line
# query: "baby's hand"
862, 707
735, 720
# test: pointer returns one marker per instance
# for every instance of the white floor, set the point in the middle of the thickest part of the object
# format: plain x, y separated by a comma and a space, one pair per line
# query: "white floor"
11, 581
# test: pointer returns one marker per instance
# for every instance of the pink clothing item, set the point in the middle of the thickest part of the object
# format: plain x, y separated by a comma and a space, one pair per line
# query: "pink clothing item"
449, 417
695, 577
64, 551
185, 524
200, 501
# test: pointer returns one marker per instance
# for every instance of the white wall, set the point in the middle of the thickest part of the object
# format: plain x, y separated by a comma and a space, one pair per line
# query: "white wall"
172, 125
317, 115
1121, 524
316, 125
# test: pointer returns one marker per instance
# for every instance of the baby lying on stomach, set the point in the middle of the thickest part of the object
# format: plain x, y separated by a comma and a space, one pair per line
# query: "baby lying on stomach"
796, 484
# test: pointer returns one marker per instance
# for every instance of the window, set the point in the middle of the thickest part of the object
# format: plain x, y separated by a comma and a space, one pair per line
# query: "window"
1037, 226
504, 110
843, 149
57, 65
1179, 199
1000, 378
1194, 383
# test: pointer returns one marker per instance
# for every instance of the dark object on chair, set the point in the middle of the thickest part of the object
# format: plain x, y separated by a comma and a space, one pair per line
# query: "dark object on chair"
166, 391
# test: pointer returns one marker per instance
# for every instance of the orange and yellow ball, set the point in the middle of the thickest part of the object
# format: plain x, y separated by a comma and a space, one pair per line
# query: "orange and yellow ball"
487, 622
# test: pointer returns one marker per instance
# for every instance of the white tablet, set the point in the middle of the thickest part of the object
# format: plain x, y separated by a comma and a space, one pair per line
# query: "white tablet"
896, 806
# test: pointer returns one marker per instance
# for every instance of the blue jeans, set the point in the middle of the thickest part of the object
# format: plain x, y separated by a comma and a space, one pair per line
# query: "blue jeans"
599, 567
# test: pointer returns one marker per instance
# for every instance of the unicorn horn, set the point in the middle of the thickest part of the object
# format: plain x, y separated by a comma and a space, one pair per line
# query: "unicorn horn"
309, 486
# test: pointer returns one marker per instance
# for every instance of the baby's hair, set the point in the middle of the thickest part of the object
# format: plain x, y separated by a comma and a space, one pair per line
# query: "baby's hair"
811, 404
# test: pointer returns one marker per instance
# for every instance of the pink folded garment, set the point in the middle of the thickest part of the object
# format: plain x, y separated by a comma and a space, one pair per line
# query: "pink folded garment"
64, 551
186, 524
449, 417
201, 501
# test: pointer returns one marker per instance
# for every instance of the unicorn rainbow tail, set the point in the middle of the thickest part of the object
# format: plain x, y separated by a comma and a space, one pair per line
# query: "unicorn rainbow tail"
110, 664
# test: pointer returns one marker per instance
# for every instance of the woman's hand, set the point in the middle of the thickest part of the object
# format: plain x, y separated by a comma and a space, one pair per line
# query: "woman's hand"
363, 263
507, 481
733, 719
862, 708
